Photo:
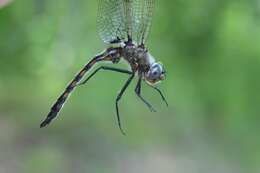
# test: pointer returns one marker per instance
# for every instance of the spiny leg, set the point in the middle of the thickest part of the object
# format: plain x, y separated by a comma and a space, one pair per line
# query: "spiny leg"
161, 94
138, 92
119, 97
105, 68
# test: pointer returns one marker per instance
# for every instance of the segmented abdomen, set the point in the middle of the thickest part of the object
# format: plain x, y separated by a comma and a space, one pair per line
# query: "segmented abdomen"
55, 109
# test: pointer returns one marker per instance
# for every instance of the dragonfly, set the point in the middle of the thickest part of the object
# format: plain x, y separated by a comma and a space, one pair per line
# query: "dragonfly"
124, 25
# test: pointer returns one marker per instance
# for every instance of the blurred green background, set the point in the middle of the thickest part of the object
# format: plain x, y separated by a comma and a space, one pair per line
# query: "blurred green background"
210, 49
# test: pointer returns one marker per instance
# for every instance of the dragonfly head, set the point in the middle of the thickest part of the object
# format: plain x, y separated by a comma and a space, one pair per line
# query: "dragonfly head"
155, 74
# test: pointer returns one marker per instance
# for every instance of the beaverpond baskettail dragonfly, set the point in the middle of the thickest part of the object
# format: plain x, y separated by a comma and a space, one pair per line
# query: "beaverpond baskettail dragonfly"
124, 25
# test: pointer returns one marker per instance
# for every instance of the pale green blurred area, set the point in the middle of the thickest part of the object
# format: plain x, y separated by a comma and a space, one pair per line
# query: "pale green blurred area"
211, 52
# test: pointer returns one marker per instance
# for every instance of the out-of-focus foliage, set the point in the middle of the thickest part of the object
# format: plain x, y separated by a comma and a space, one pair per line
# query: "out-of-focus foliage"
212, 55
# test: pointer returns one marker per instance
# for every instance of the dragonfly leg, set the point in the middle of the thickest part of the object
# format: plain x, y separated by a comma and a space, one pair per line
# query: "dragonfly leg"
119, 97
138, 92
105, 68
161, 94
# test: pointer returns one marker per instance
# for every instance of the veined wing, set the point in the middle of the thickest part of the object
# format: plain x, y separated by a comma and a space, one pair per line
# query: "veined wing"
118, 19
111, 20
142, 18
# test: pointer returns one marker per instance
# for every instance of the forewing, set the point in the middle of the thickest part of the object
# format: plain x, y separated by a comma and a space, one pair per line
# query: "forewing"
142, 18
120, 19
111, 20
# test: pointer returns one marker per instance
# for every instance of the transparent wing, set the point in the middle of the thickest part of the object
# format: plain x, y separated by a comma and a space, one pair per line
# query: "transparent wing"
118, 19
111, 20
142, 18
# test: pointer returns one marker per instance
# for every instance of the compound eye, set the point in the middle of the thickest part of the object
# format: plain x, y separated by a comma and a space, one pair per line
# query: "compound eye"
155, 73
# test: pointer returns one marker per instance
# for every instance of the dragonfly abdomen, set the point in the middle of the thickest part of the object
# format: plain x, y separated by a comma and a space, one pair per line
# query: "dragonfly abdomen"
62, 99
112, 54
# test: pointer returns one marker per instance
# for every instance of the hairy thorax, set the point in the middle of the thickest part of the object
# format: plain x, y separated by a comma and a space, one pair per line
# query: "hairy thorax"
137, 56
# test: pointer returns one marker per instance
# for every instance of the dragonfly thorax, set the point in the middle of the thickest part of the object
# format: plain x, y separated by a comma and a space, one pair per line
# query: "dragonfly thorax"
143, 62
137, 55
